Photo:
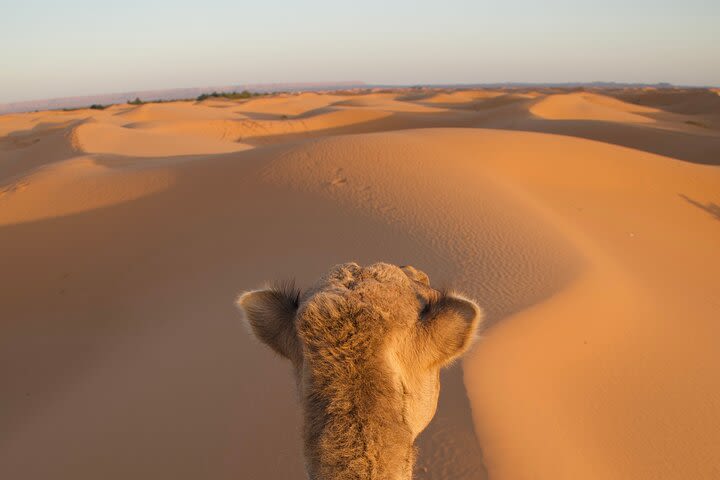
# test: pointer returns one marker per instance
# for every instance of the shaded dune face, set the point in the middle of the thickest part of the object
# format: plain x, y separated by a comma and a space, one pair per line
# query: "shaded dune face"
367, 345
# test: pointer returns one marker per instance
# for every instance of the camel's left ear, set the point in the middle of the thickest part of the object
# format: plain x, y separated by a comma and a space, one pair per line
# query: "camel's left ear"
447, 328
270, 315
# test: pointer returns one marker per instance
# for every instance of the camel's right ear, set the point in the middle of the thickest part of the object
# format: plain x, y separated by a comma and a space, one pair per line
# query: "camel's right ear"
447, 329
271, 316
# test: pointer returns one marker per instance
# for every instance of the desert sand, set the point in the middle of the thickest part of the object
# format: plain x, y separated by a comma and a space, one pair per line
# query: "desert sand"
587, 224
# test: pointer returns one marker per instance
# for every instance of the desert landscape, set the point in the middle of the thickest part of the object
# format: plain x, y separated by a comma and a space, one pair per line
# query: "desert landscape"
585, 222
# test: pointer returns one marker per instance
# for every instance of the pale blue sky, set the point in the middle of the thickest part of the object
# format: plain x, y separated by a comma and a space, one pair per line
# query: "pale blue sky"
78, 47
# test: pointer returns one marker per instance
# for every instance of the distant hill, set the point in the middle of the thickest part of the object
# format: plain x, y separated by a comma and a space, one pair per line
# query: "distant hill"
167, 94
187, 93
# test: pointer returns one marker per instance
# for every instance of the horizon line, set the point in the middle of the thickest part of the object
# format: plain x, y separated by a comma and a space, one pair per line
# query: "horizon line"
187, 93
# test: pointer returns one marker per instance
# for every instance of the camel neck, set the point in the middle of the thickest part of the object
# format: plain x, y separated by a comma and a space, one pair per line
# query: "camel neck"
354, 451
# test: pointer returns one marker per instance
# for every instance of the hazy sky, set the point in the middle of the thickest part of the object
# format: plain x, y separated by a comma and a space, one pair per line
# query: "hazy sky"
51, 48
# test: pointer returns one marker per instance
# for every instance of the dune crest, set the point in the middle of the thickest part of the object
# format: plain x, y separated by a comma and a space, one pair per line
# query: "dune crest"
583, 106
112, 139
75, 186
288, 105
461, 97
173, 111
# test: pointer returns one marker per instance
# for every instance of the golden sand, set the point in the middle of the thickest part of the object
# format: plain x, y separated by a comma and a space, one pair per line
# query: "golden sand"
586, 224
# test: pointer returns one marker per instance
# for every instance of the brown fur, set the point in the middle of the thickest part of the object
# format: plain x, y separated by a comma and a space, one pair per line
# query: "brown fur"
367, 345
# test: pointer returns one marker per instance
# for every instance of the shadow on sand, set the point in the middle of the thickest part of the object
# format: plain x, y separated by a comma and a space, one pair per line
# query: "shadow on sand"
711, 208
448, 447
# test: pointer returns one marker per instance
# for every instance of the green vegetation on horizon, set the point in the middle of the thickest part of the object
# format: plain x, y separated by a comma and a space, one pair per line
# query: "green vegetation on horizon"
245, 94
229, 95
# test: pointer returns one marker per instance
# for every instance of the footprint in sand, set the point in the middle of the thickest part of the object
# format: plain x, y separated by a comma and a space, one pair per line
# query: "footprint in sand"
337, 182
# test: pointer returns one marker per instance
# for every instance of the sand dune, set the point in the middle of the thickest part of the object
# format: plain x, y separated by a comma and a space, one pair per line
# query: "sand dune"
77, 185
240, 130
386, 102
95, 137
493, 102
460, 97
129, 231
690, 101
584, 106
12, 126
176, 111
288, 105
35, 145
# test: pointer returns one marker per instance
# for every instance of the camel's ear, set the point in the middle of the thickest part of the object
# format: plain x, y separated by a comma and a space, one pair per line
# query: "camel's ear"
448, 326
270, 314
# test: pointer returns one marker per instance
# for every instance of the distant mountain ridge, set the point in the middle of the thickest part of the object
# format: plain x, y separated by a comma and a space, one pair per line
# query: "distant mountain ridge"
168, 94
193, 92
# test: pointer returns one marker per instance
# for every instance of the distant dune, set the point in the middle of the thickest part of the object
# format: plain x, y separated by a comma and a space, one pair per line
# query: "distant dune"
588, 106
585, 222
194, 92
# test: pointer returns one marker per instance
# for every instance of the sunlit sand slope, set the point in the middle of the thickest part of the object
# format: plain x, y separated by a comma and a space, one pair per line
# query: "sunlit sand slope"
127, 232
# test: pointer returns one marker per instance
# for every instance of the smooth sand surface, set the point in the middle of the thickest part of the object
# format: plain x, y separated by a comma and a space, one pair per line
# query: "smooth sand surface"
288, 105
587, 224
587, 106
93, 137
463, 96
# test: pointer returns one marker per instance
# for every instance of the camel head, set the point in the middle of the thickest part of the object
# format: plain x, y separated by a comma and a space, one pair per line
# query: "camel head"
367, 345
